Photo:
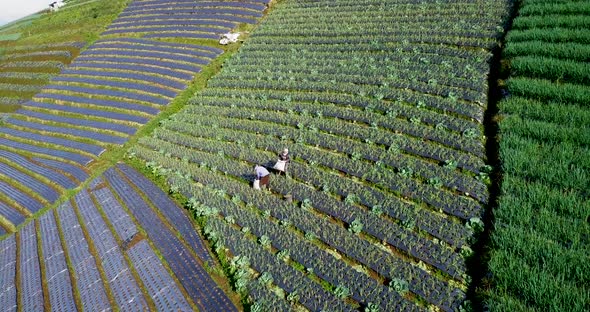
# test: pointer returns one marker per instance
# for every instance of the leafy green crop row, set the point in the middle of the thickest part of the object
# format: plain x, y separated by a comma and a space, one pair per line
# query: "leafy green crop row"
541, 8
572, 51
546, 90
550, 68
9, 37
554, 35
550, 22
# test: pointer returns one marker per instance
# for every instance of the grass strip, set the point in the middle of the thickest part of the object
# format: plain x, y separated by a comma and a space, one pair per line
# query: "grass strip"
543, 7
552, 69
547, 111
558, 165
545, 90
571, 51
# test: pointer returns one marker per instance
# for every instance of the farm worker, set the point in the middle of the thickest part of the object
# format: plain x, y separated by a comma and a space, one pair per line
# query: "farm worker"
281, 165
262, 177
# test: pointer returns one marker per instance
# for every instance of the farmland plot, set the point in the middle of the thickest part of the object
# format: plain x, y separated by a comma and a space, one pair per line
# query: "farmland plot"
381, 105
541, 238
100, 99
39, 160
36, 48
25, 69
93, 252
185, 19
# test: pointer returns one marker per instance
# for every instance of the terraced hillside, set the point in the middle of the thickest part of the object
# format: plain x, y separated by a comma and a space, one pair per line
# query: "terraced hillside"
120, 243
101, 99
36, 48
381, 104
541, 237
186, 19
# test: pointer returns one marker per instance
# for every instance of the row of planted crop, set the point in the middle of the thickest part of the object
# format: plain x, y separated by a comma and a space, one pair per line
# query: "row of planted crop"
24, 70
378, 225
298, 123
93, 254
179, 19
375, 47
352, 149
356, 149
401, 97
372, 198
449, 7
33, 66
389, 81
50, 55
460, 100
299, 246
377, 73
347, 216
406, 31
364, 107
423, 78
337, 117
431, 39
380, 88
378, 56
382, 25
375, 258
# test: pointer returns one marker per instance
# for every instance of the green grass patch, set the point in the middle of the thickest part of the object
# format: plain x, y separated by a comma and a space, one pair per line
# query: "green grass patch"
553, 35
10, 29
80, 23
571, 51
537, 287
552, 112
8, 108
545, 90
561, 165
22, 21
546, 132
543, 7
10, 37
550, 68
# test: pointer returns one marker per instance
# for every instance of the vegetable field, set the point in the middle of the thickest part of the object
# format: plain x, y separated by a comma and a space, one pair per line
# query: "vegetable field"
185, 19
36, 48
541, 238
103, 97
25, 69
121, 243
381, 104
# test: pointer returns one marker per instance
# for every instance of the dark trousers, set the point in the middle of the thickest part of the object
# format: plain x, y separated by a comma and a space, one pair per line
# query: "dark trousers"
265, 181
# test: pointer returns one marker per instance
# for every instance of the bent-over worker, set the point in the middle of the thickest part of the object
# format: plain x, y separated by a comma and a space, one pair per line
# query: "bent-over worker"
262, 176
